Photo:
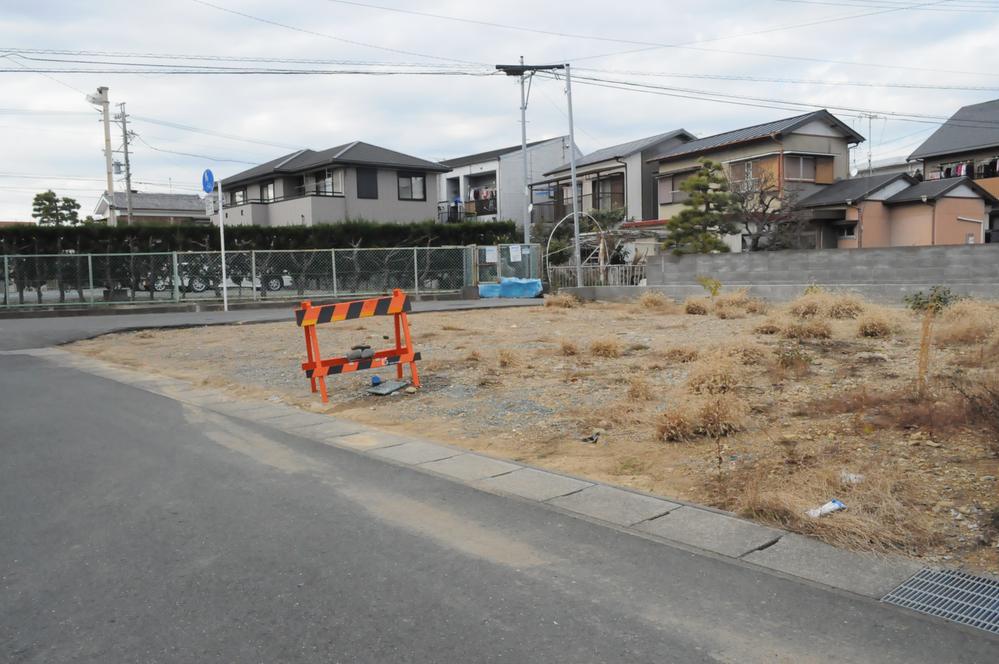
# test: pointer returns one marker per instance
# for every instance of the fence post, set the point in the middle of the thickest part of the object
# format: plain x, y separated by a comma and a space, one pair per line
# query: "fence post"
333, 258
175, 276
416, 271
499, 264
90, 276
253, 275
6, 282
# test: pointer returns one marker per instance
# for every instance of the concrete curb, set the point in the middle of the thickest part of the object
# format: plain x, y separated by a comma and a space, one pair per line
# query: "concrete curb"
676, 522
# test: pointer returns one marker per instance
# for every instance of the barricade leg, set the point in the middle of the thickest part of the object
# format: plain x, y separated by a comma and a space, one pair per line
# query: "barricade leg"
398, 344
313, 359
409, 347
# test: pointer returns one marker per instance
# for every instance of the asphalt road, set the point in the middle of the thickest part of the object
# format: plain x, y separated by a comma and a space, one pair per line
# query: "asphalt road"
134, 528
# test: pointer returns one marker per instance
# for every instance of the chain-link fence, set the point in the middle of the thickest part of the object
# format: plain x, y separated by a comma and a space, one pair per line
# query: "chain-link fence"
96, 279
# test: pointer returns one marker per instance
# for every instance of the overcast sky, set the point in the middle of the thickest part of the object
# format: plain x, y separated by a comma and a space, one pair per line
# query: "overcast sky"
836, 53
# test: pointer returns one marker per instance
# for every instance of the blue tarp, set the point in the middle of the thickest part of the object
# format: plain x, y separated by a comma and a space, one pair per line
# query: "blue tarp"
512, 287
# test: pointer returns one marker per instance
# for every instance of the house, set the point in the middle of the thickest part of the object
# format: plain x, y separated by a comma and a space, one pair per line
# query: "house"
967, 145
153, 208
619, 177
351, 181
897, 210
490, 185
801, 154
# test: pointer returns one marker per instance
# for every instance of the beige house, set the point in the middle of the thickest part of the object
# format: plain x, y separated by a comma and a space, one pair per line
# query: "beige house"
805, 152
896, 210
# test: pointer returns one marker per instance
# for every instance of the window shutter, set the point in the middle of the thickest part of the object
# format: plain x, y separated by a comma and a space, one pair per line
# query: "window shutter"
824, 170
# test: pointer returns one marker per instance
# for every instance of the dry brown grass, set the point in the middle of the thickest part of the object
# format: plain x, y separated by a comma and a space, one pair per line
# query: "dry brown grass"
680, 354
807, 329
658, 302
568, 348
473, 356
696, 306
737, 304
769, 327
716, 374
690, 418
506, 358
790, 359
885, 511
747, 352
640, 389
967, 322
562, 301
605, 348
874, 326
823, 304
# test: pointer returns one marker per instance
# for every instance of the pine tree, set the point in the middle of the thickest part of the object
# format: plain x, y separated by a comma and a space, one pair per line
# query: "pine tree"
50, 210
700, 226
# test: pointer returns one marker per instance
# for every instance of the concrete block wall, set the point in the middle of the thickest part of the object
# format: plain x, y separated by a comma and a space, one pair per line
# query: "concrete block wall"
885, 275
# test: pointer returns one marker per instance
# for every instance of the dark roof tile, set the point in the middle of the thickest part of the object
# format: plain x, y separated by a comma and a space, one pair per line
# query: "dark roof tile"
973, 127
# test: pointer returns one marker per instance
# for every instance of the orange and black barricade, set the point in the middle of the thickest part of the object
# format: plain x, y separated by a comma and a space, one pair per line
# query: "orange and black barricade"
396, 305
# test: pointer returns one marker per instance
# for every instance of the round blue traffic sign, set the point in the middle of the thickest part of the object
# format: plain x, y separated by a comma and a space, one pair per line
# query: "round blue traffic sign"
208, 181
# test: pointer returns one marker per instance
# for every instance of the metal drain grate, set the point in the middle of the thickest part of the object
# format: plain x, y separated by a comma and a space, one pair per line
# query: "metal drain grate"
963, 598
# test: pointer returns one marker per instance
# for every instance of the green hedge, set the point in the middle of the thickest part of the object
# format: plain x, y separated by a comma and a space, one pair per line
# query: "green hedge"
365, 234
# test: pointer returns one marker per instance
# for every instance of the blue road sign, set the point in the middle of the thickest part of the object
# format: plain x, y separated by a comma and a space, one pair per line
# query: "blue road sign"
208, 181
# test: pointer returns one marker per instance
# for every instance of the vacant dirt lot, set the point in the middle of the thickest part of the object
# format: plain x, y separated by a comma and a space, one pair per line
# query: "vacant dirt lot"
760, 410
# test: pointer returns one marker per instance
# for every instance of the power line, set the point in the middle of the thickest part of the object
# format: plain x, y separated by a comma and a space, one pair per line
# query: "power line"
344, 40
967, 8
196, 156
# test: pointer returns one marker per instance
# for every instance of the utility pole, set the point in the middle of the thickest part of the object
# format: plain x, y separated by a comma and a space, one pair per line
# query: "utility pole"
128, 169
101, 99
521, 70
523, 154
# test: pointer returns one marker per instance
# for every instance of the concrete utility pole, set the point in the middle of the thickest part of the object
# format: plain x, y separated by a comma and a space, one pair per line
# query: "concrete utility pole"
128, 168
521, 70
101, 99
523, 154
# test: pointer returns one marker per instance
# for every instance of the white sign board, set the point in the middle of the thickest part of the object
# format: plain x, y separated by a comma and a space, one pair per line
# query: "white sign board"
209, 206
514, 253
491, 255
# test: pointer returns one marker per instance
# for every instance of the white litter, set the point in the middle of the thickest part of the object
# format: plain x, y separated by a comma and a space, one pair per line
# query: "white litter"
830, 507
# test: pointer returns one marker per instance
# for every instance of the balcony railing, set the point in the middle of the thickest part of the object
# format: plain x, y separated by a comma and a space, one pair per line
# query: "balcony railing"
298, 192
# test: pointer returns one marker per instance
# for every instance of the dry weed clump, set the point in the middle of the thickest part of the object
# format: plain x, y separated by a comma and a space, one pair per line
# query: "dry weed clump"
823, 304
874, 326
562, 301
884, 511
639, 389
506, 358
473, 357
605, 348
807, 329
568, 348
680, 354
769, 327
748, 353
658, 302
695, 306
791, 359
716, 374
712, 417
967, 322
738, 304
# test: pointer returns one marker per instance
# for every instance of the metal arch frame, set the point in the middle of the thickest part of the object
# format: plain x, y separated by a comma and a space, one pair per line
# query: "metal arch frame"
551, 236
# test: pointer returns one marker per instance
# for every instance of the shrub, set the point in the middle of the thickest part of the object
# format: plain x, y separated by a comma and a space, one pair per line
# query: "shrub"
938, 299
713, 375
506, 358
844, 305
605, 348
713, 286
568, 348
561, 301
748, 353
874, 326
756, 306
682, 354
695, 307
968, 322
639, 389
791, 358
807, 306
658, 301
675, 425
812, 329
714, 417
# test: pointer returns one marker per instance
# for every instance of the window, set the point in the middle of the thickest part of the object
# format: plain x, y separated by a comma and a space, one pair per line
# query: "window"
239, 197
411, 187
666, 190
797, 167
267, 191
847, 232
608, 192
367, 183
330, 182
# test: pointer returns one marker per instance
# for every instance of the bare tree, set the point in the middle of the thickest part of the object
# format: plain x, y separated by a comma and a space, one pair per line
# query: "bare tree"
768, 215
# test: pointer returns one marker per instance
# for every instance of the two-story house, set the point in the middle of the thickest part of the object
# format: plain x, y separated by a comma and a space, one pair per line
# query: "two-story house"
351, 181
490, 185
967, 145
803, 153
619, 177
